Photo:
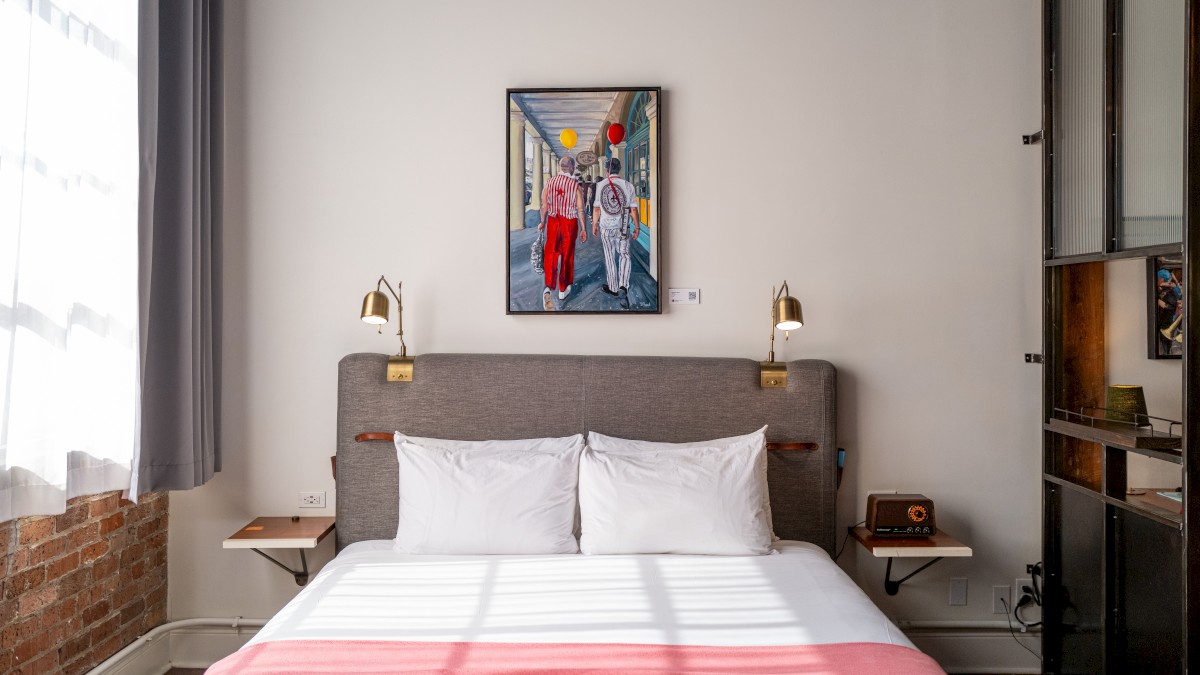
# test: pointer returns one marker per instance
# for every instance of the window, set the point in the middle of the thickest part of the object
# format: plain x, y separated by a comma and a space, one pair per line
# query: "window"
68, 250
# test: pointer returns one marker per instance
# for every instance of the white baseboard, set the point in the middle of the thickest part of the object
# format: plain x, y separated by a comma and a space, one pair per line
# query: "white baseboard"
978, 650
202, 647
154, 658
185, 647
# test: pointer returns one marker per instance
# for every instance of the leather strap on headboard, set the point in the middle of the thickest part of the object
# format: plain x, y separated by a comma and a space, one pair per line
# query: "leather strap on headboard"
389, 436
506, 396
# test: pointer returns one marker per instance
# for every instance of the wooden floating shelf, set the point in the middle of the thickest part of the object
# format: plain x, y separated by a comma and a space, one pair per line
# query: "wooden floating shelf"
938, 545
281, 532
1118, 435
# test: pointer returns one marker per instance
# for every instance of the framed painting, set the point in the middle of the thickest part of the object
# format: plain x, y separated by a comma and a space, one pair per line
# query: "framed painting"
1166, 306
583, 233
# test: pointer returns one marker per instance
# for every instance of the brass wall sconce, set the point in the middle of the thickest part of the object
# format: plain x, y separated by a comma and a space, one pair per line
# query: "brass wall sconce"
785, 316
375, 311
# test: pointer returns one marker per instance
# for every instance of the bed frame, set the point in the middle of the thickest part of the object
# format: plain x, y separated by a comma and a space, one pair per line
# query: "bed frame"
509, 396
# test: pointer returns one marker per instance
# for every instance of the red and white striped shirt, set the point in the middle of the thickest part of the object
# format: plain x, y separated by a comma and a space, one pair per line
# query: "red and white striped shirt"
560, 195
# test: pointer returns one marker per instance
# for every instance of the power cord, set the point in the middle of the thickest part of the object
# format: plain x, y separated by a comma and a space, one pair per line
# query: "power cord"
1025, 600
847, 538
1008, 615
1030, 595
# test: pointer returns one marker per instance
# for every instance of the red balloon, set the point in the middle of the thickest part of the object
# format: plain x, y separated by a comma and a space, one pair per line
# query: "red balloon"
616, 134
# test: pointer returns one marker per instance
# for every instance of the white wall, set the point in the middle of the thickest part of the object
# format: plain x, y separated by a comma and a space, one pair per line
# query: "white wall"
867, 152
1125, 306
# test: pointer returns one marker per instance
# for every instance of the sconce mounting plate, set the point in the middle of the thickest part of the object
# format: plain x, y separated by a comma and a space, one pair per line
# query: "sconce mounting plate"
400, 369
772, 375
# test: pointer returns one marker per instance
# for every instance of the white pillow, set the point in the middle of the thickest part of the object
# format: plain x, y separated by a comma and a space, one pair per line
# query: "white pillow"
485, 497
708, 497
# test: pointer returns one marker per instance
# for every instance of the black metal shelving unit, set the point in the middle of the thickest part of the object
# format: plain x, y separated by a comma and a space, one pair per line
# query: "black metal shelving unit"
1122, 563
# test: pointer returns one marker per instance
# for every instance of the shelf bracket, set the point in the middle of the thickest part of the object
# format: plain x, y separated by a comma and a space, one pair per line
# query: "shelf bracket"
301, 576
892, 586
1030, 139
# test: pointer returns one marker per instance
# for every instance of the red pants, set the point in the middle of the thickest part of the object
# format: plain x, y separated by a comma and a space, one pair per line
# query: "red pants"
560, 241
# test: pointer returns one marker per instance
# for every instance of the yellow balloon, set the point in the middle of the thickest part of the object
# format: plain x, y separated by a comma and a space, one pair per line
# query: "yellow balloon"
568, 138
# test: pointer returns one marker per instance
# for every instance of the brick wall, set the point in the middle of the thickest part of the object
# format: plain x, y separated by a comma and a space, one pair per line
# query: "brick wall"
80, 586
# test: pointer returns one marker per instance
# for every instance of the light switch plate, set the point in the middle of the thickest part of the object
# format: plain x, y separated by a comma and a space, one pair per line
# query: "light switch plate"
958, 591
1000, 598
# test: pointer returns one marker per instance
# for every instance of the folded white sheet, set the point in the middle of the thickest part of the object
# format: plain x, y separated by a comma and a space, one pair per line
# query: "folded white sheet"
371, 592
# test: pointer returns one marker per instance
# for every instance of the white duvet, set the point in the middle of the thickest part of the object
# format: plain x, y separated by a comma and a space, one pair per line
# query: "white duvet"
794, 597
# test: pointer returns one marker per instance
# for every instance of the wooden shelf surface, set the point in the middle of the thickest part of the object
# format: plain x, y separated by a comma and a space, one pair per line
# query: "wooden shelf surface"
940, 545
281, 532
1151, 502
1118, 435
1151, 505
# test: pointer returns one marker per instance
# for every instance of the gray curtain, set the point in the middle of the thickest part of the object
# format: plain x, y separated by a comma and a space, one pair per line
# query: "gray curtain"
180, 123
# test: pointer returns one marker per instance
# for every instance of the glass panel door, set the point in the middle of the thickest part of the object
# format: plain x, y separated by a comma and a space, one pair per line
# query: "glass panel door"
1079, 165
1151, 123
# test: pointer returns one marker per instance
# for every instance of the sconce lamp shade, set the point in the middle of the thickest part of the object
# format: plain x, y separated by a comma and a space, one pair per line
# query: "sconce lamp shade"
375, 308
787, 313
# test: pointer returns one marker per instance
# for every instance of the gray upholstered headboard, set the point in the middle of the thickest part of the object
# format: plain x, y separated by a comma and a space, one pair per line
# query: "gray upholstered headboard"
508, 396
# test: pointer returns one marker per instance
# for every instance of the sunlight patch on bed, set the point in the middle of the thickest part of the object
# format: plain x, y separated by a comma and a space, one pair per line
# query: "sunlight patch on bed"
796, 598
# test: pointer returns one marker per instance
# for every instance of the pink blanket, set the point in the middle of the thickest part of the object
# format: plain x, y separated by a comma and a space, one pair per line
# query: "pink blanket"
490, 658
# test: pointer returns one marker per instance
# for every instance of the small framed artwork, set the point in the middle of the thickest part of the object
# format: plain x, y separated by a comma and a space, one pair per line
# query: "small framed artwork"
1166, 306
583, 232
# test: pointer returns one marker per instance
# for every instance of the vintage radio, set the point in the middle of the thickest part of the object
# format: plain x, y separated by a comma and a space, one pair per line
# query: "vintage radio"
900, 515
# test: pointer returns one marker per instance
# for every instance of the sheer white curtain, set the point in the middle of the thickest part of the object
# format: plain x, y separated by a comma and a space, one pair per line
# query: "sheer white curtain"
68, 250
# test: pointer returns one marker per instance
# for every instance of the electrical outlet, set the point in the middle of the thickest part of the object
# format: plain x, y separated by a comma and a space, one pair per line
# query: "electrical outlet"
958, 591
1019, 586
312, 500
1000, 595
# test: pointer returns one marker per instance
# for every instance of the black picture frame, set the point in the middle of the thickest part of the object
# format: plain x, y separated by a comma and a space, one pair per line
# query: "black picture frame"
1165, 281
535, 119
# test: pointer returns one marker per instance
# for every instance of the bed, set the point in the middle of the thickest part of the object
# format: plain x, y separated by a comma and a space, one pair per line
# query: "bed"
374, 609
